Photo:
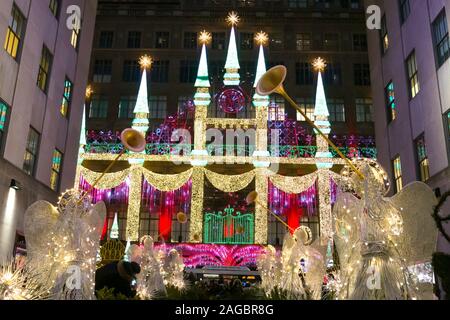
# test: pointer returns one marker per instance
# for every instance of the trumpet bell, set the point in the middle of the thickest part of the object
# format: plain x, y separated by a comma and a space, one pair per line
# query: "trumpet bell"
271, 81
133, 140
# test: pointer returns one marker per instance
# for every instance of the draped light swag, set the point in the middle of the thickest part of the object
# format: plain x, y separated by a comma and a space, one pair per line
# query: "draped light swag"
226, 183
109, 181
167, 182
293, 185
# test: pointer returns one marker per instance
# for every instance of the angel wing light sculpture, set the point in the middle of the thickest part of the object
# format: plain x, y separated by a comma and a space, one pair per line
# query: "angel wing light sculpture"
63, 243
378, 238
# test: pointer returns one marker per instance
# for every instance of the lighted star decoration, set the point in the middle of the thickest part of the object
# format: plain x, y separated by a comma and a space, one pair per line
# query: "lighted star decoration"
261, 38
89, 91
319, 64
146, 62
233, 18
204, 37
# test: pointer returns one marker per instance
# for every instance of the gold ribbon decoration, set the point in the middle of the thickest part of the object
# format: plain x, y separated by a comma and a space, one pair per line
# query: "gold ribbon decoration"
226, 183
167, 182
293, 185
109, 181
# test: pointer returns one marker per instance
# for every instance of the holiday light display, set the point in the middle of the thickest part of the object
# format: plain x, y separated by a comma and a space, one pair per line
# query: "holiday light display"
296, 147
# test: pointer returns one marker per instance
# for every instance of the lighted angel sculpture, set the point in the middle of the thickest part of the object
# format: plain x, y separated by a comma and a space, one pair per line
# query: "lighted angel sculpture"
298, 271
174, 270
380, 239
63, 242
149, 281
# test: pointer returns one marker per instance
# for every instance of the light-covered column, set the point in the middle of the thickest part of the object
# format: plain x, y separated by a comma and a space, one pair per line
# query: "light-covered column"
134, 203
196, 224
261, 214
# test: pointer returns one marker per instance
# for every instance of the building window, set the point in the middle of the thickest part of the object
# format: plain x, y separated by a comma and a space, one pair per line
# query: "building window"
134, 39
441, 40
190, 40
126, 107
362, 74
31, 152
67, 97
298, 3
422, 158
184, 106
277, 231
303, 41
277, 111
304, 74
54, 7
360, 42
56, 170
14, 34
162, 40
364, 110
180, 232
102, 71
4, 109
160, 71
131, 71
405, 10
331, 42
413, 76
44, 69
149, 225
216, 69
248, 69
391, 106
218, 41
276, 41
246, 41
308, 106
336, 108
188, 71
384, 35
75, 37
99, 107
333, 74
397, 165
158, 107
106, 39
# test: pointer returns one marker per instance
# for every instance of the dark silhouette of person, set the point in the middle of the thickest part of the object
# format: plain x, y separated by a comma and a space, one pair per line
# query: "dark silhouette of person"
118, 276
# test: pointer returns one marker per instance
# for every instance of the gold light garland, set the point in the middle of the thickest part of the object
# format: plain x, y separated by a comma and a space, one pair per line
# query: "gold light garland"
227, 183
167, 182
109, 181
293, 185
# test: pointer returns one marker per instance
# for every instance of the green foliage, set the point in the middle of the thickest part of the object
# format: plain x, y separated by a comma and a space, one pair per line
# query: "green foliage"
108, 294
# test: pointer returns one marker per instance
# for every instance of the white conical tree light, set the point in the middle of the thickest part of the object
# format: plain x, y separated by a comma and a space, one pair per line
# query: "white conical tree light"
321, 115
232, 77
141, 110
260, 101
115, 228
83, 141
202, 97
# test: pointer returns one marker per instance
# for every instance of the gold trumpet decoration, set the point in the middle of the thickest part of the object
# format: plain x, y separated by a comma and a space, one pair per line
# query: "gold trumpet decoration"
272, 82
132, 140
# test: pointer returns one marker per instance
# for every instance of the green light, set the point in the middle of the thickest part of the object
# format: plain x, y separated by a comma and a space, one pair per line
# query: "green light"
229, 228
